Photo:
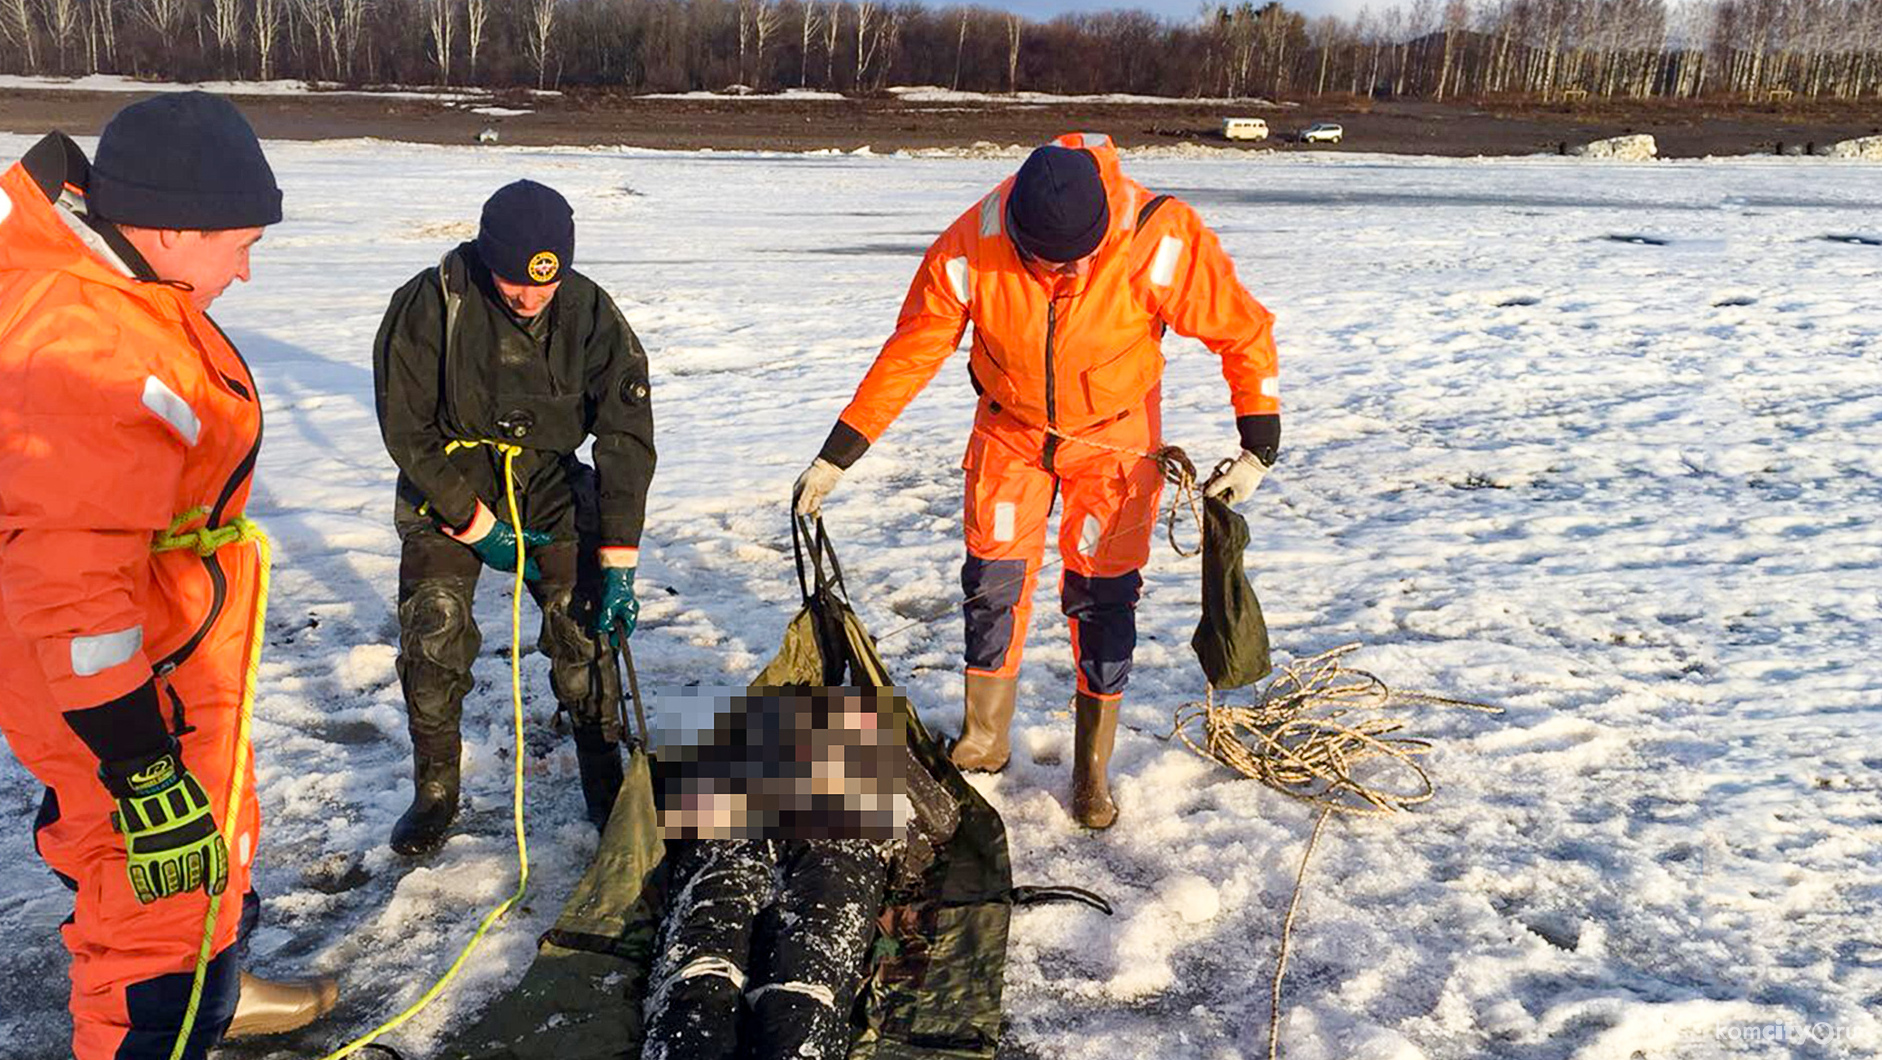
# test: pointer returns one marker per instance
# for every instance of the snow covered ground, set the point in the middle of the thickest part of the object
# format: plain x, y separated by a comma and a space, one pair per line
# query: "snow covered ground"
1594, 442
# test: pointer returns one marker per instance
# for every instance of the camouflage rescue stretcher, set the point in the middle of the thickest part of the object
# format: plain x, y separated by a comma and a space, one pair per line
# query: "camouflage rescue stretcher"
936, 968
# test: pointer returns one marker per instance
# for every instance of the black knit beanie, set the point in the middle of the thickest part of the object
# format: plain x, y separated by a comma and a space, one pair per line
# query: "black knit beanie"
185, 160
1056, 211
527, 234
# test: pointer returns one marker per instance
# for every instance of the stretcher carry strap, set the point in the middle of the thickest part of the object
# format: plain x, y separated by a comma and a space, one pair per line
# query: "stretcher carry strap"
808, 535
827, 599
1041, 895
206, 541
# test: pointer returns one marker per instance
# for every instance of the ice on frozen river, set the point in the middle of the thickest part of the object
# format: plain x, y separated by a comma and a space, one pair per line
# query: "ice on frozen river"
1598, 443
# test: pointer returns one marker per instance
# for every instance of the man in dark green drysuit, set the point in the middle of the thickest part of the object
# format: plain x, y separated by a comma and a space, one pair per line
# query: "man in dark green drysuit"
503, 344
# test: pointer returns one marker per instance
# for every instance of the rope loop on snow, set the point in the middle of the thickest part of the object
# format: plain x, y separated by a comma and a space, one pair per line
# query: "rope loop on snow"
1302, 737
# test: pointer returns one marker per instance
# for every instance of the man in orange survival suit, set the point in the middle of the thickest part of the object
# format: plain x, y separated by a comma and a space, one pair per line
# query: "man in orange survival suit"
1070, 273
124, 409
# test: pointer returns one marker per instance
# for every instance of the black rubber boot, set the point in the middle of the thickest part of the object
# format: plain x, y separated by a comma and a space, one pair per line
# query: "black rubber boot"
600, 763
438, 641
423, 827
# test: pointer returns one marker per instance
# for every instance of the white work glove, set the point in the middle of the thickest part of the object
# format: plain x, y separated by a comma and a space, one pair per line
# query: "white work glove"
814, 485
1237, 479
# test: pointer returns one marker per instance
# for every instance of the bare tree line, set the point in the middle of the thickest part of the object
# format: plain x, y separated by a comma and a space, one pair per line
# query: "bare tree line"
1432, 49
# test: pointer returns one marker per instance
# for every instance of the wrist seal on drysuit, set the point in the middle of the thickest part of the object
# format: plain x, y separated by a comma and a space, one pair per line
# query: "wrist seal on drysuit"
1261, 435
844, 446
171, 843
494, 541
128, 727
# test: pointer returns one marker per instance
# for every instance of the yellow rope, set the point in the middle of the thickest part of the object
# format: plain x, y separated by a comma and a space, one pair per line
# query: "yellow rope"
510, 453
206, 542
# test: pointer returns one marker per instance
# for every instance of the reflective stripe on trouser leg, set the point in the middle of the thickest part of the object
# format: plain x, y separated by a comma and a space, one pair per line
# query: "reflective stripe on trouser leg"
1009, 498
1103, 614
697, 978
999, 606
810, 950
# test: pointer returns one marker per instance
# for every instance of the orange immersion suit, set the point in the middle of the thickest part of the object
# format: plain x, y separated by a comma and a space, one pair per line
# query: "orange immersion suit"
122, 407
1069, 371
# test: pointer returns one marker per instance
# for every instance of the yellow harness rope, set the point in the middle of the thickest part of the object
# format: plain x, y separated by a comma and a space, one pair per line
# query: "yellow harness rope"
205, 542
510, 453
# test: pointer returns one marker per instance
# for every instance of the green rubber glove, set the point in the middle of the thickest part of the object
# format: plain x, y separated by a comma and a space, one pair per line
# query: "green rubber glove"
498, 549
618, 603
170, 836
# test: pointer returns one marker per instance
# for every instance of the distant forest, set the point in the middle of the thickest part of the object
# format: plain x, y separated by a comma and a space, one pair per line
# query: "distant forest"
1542, 50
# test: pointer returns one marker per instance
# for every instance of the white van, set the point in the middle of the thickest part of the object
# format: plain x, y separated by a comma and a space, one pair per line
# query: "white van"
1244, 129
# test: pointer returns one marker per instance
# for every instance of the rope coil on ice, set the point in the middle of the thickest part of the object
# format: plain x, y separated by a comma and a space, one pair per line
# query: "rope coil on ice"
1300, 737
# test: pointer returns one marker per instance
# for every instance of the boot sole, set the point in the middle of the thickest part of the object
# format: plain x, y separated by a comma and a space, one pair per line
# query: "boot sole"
1088, 820
269, 1026
975, 766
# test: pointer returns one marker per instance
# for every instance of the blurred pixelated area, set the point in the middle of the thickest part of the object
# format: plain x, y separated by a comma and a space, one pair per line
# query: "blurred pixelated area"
781, 763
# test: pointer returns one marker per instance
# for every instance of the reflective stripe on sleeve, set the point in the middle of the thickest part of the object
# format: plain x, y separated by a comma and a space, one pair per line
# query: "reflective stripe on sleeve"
1271, 387
1163, 268
173, 410
95, 655
990, 216
957, 278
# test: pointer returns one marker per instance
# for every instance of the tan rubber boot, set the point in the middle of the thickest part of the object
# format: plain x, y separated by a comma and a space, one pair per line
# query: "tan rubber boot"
983, 744
1092, 741
269, 1007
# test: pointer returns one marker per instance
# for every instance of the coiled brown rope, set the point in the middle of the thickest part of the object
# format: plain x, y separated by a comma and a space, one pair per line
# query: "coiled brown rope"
1305, 735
